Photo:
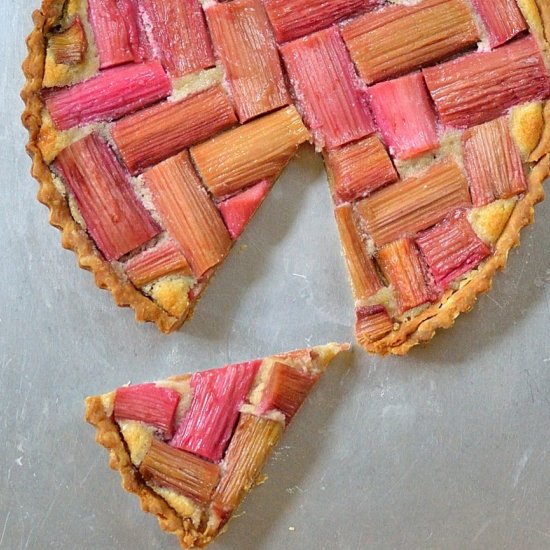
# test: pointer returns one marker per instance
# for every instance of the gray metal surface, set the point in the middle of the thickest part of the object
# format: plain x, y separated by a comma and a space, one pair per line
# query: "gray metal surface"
444, 449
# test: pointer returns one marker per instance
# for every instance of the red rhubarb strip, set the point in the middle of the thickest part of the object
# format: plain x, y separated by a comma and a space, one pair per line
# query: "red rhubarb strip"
244, 42
482, 86
115, 219
188, 213
286, 390
154, 134
502, 19
111, 94
115, 25
401, 265
147, 403
177, 33
149, 265
293, 19
451, 249
405, 116
493, 162
358, 169
217, 396
329, 94
238, 210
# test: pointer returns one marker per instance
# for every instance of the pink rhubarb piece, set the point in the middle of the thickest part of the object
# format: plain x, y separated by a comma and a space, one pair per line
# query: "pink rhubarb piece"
405, 116
111, 94
238, 210
217, 396
330, 96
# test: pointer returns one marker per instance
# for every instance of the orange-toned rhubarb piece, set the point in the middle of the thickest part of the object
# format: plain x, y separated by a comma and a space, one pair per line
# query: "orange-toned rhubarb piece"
250, 447
147, 403
358, 169
69, 46
372, 323
501, 18
181, 471
149, 265
116, 29
218, 395
405, 115
250, 153
398, 39
188, 213
414, 204
115, 219
286, 390
329, 94
293, 19
362, 271
451, 249
401, 265
111, 94
244, 42
177, 33
154, 134
482, 86
493, 163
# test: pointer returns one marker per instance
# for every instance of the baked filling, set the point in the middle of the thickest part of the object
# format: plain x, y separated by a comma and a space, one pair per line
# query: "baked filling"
164, 125
193, 446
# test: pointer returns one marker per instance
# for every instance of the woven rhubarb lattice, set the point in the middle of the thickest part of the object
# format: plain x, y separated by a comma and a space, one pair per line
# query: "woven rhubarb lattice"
157, 128
192, 446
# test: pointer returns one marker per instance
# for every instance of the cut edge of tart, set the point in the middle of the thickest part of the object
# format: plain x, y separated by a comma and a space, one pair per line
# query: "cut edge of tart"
192, 446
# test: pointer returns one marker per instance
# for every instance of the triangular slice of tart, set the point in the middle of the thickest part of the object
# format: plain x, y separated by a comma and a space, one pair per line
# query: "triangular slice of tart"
192, 446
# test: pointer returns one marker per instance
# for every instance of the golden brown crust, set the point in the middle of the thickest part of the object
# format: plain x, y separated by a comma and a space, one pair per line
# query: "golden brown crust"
108, 435
74, 237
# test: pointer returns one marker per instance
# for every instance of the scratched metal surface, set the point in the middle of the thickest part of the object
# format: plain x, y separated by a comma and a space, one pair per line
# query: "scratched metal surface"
445, 449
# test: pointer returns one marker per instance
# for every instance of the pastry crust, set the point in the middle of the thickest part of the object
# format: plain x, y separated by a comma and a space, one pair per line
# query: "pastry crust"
73, 236
108, 435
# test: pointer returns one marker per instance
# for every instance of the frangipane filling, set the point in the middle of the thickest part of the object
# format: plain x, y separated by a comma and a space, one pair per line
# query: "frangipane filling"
166, 124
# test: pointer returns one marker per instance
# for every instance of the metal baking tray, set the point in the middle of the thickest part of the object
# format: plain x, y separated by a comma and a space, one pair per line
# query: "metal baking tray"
447, 448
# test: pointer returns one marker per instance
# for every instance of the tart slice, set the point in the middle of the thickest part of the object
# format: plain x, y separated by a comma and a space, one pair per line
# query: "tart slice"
192, 446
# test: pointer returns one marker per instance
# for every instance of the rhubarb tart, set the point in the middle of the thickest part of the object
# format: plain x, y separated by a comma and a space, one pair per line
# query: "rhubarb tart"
158, 127
192, 446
